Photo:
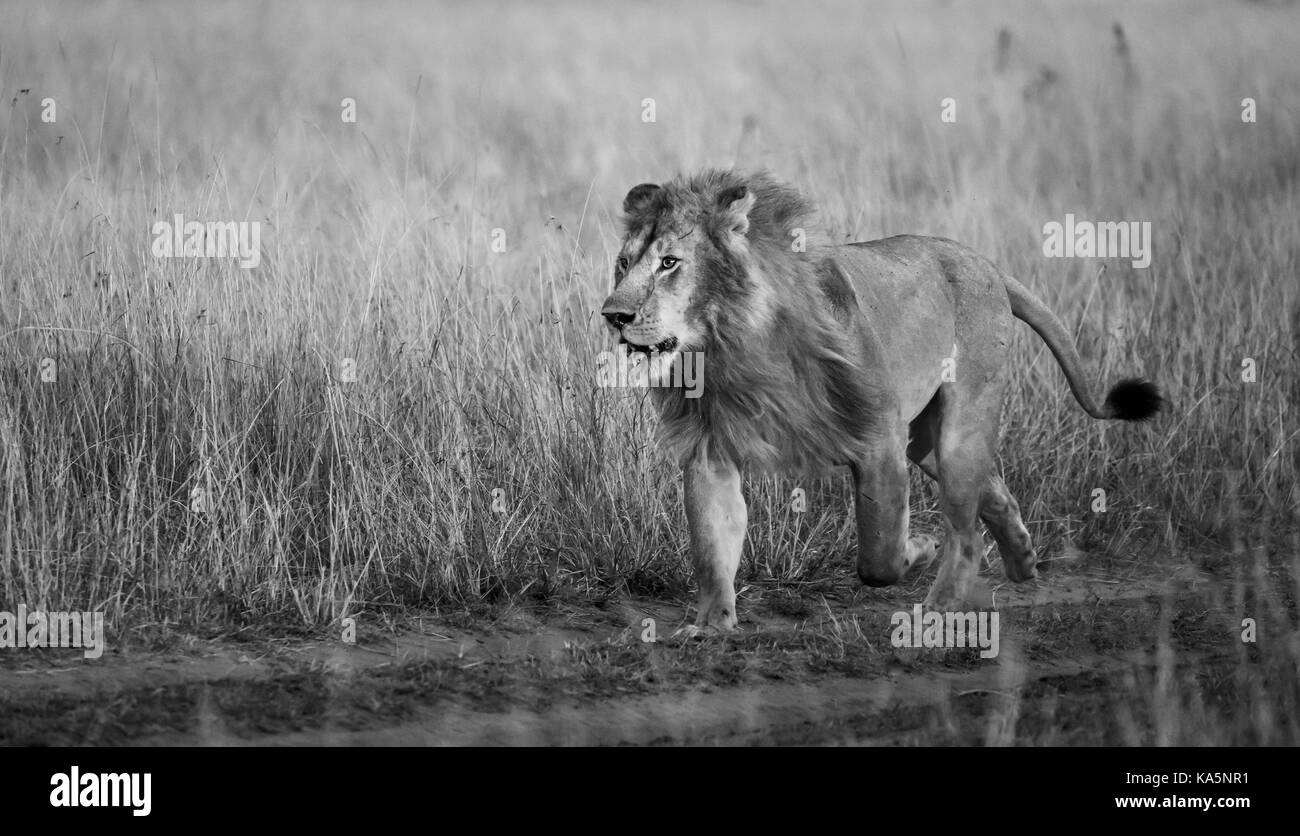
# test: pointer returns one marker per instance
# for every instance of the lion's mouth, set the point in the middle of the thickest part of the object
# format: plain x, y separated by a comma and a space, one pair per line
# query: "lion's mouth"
658, 348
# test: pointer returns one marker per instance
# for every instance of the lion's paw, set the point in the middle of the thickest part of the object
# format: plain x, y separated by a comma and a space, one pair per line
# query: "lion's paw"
922, 550
944, 598
695, 631
1022, 567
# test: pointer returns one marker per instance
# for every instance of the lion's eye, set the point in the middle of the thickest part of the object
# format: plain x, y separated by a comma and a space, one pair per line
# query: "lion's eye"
622, 262
669, 262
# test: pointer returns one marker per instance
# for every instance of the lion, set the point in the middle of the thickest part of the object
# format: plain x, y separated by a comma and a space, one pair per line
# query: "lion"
865, 355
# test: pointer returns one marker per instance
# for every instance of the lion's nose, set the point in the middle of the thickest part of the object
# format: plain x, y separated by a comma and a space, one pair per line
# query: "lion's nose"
617, 318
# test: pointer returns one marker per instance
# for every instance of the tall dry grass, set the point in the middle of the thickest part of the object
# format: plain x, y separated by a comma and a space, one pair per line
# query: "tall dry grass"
476, 369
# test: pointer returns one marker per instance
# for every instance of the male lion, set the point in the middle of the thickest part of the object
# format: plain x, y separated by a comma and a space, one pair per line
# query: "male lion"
819, 355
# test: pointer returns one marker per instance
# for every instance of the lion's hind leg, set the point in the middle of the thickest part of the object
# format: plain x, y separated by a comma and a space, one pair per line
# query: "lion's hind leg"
962, 542
1001, 513
998, 507
966, 465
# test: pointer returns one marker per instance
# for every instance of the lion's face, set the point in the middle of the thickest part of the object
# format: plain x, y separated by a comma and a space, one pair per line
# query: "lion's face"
679, 250
653, 305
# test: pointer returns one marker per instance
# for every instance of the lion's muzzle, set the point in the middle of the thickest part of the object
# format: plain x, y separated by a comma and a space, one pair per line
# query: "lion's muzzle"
617, 319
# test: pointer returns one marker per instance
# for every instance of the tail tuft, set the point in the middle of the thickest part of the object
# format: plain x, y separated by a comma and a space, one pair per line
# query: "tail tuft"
1133, 399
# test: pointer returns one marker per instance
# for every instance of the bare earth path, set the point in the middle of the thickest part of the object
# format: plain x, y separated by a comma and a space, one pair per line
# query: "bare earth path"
802, 670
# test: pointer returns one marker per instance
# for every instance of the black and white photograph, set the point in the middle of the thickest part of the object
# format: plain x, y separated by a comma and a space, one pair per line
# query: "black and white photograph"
651, 374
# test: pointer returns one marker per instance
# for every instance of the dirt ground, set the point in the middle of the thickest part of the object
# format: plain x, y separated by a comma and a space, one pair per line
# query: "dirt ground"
1080, 654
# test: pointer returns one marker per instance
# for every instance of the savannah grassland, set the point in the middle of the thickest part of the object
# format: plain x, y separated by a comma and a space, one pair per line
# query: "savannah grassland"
474, 470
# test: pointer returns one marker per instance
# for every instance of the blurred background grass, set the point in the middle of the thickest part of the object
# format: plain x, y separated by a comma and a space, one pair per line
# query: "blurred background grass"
476, 369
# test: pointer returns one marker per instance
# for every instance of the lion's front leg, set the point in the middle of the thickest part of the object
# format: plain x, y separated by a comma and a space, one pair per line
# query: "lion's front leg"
885, 551
716, 516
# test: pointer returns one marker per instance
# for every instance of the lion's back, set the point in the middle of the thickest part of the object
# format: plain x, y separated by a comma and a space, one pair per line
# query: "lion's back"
903, 272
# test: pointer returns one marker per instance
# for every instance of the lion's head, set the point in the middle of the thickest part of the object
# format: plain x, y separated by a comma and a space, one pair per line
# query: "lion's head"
672, 260
733, 266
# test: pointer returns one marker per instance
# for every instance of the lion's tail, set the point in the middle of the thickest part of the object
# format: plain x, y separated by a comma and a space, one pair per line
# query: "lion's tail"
1132, 399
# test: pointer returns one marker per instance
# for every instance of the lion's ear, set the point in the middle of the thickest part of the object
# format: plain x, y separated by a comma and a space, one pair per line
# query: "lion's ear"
735, 204
639, 196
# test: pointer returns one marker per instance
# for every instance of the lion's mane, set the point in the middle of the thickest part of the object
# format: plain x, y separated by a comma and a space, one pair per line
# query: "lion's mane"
781, 388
